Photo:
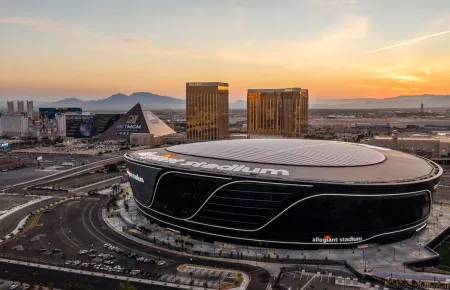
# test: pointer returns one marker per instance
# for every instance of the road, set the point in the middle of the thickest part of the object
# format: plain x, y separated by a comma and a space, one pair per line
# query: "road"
12, 177
61, 175
79, 225
10, 222
96, 224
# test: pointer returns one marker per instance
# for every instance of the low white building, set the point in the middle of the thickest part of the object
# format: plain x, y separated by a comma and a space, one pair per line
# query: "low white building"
14, 125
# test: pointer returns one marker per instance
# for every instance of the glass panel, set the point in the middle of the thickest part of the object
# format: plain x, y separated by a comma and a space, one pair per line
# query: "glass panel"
346, 214
182, 195
142, 181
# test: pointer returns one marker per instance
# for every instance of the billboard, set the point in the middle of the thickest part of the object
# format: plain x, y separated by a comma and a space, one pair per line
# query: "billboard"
131, 125
79, 126
49, 113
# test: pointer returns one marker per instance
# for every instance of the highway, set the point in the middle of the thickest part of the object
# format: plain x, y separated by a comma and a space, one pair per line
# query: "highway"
62, 174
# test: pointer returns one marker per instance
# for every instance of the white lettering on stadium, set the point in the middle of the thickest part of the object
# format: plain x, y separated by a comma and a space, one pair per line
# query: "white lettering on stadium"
235, 167
135, 176
337, 240
195, 84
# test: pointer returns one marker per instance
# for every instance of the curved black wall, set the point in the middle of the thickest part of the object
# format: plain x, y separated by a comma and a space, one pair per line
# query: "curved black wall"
224, 208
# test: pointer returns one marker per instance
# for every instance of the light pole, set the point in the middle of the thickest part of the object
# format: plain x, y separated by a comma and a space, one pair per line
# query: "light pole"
70, 234
159, 258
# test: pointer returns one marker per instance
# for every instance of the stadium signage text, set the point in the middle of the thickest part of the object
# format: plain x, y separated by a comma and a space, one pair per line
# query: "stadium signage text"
135, 176
235, 167
195, 84
329, 239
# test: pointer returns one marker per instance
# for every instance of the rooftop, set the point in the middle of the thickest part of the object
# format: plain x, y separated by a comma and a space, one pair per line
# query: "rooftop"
294, 160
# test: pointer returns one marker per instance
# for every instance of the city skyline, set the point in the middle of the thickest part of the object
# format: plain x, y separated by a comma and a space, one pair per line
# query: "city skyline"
335, 48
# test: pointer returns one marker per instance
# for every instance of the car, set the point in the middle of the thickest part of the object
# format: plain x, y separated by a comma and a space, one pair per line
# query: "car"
13, 286
135, 272
161, 263
47, 211
26, 288
106, 245
92, 251
56, 251
152, 261
82, 252
76, 263
109, 262
67, 263
92, 256
43, 250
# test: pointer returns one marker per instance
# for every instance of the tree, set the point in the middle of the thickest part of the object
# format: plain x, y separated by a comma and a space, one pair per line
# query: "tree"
50, 286
191, 274
68, 286
126, 286
41, 286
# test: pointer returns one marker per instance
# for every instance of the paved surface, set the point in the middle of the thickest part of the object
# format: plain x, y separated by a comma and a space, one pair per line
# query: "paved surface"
12, 177
79, 225
10, 201
309, 281
54, 176
10, 222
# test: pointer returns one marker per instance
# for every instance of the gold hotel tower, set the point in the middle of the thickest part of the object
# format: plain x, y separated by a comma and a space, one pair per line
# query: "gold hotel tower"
278, 112
206, 111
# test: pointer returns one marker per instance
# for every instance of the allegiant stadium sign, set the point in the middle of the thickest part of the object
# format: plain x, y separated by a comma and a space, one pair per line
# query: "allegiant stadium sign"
234, 168
135, 176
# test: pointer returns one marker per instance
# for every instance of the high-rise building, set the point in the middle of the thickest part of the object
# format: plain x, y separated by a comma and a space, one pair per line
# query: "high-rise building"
30, 109
20, 107
278, 112
206, 111
10, 105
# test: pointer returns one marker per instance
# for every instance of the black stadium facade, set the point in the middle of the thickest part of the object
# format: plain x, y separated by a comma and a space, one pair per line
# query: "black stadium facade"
287, 193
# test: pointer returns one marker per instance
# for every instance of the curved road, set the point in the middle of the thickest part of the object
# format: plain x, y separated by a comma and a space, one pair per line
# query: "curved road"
93, 222
10, 222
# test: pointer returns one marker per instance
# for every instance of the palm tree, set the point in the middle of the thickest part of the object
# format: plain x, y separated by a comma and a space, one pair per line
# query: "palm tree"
191, 274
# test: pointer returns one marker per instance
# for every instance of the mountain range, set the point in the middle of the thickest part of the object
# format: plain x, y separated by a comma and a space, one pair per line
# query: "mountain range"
122, 102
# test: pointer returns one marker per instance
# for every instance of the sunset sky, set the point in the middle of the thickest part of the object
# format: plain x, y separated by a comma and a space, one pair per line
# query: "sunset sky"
90, 49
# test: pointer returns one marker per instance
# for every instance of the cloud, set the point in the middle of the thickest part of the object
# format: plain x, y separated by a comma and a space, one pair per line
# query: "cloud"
402, 78
140, 44
35, 22
138, 41
338, 2
409, 42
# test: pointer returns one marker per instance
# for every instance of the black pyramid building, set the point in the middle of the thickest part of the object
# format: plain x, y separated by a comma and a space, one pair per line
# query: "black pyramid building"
137, 120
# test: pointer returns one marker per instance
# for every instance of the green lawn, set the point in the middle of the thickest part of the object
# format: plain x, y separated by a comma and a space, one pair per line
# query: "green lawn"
444, 255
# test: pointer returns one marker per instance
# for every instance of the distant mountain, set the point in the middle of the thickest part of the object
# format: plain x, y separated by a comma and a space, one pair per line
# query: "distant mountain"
68, 102
238, 105
400, 102
122, 102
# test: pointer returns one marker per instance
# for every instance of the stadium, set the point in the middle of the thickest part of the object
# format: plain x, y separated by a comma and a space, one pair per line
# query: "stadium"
285, 193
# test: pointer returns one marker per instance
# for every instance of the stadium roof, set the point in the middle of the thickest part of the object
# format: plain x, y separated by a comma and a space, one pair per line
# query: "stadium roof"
137, 120
293, 159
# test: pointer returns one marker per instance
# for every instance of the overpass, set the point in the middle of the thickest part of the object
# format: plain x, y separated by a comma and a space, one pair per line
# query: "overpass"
65, 173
